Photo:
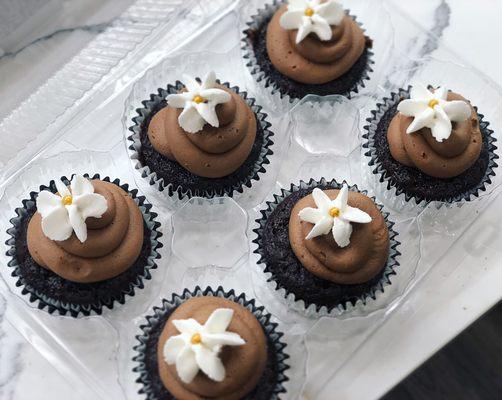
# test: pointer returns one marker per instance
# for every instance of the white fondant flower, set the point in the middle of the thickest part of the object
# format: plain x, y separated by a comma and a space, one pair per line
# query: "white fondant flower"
432, 110
312, 16
199, 103
197, 347
333, 215
67, 211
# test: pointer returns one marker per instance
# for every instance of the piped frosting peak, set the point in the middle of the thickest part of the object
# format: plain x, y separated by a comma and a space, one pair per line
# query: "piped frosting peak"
312, 16
65, 212
199, 103
431, 109
333, 216
198, 347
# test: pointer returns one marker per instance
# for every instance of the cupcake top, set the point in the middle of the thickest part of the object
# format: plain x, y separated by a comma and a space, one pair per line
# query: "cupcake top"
211, 347
207, 128
314, 41
339, 235
88, 232
436, 131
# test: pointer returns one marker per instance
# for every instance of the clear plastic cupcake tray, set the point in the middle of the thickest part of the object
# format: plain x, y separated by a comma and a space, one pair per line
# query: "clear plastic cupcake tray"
208, 242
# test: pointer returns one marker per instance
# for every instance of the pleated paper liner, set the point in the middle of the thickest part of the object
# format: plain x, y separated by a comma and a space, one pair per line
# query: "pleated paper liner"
263, 71
270, 385
331, 298
180, 182
50, 292
397, 187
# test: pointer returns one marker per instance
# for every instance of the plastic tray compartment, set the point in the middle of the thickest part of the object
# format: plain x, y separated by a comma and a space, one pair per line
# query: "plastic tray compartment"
315, 137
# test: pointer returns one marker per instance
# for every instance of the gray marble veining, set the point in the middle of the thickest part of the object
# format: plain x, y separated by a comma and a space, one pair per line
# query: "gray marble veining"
10, 350
94, 29
440, 22
64, 28
20, 366
15, 12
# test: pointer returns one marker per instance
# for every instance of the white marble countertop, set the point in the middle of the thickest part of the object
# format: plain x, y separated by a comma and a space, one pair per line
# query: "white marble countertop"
470, 29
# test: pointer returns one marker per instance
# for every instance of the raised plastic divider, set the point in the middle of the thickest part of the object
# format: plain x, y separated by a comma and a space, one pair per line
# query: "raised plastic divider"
113, 52
94, 123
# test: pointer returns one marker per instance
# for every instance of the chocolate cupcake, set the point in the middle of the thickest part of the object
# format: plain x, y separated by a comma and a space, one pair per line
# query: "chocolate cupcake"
210, 344
326, 245
306, 47
78, 247
430, 145
201, 139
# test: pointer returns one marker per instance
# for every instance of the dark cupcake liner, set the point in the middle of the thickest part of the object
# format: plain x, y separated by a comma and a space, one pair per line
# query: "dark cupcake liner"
215, 187
378, 152
355, 293
261, 67
271, 383
49, 291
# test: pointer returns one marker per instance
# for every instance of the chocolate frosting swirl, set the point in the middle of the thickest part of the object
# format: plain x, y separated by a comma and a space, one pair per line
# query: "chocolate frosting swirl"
313, 61
360, 261
212, 152
244, 365
445, 159
113, 243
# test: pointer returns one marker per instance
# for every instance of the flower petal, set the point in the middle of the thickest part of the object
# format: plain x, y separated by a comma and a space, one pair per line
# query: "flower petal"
321, 228
297, 5
178, 100
77, 222
172, 348
216, 96
304, 29
62, 189
321, 27
81, 185
191, 84
420, 92
291, 19
321, 199
188, 326
341, 200
190, 120
209, 81
209, 362
312, 215
91, 205
411, 108
222, 339
56, 224
425, 119
186, 365
48, 202
441, 93
353, 214
441, 128
208, 112
219, 320
457, 110
332, 12
341, 232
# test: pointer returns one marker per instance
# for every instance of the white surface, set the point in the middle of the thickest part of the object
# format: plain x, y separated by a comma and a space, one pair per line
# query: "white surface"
437, 315
42, 50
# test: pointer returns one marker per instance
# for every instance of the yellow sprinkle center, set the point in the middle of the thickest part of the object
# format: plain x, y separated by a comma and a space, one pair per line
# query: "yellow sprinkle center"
196, 339
433, 103
309, 12
334, 212
67, 200
198, 99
